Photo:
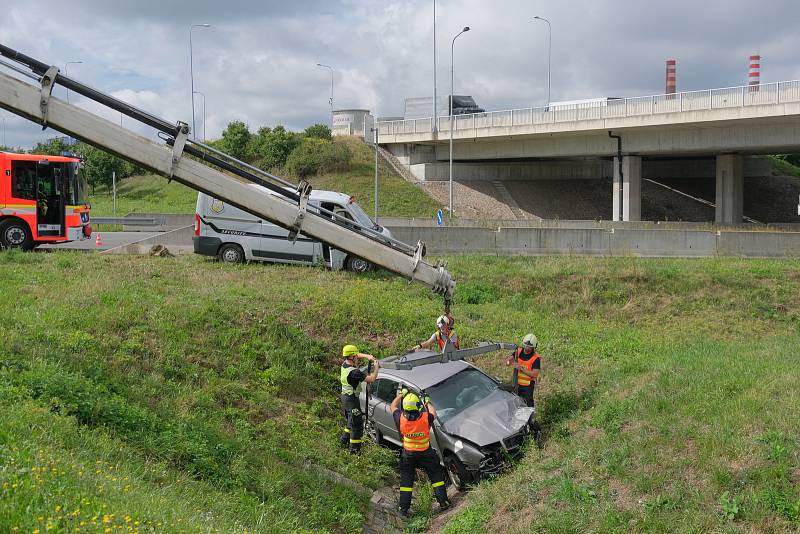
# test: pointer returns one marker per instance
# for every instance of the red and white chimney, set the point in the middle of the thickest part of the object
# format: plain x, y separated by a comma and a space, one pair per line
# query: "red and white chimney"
754, 76
672, 80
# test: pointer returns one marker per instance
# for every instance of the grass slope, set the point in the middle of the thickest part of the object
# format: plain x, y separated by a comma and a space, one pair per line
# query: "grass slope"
398, 198
668, 393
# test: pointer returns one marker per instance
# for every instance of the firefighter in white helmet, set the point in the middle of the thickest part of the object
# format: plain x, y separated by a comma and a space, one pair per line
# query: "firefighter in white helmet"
444, 332
528, 365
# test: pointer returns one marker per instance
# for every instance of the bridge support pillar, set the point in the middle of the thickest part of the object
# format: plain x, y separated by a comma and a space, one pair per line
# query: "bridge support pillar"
730, 189
631, 188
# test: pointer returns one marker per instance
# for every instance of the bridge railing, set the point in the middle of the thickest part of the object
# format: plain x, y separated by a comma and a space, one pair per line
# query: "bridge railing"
611, 108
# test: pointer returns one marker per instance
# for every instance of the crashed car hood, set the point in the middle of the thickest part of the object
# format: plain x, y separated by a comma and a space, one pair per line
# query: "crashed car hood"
498, 416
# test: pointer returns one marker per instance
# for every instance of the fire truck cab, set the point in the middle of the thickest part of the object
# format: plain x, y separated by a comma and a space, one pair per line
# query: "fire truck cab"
42, 200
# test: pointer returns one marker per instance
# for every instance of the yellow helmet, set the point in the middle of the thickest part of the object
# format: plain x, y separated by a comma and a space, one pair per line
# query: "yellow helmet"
411, 403
349, 350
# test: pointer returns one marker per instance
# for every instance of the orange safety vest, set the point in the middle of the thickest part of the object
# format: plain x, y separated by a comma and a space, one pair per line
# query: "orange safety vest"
441, 341
522, 378
416, 434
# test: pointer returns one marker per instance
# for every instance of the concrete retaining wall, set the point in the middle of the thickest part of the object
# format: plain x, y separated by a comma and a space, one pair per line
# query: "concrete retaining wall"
547, 241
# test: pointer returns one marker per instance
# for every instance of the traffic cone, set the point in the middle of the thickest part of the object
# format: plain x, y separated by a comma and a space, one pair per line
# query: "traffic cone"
98, 241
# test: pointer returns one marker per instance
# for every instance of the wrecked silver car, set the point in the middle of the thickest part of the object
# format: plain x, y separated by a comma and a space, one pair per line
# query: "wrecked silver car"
480, 426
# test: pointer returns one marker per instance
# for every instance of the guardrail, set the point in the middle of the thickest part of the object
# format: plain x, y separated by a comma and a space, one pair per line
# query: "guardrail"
729, 97
129, 221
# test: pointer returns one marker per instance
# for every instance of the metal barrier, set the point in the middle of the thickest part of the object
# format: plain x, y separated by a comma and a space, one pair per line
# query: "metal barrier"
612, 108
129, 221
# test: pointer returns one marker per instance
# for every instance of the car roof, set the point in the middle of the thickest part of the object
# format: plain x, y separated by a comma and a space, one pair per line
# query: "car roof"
423, 376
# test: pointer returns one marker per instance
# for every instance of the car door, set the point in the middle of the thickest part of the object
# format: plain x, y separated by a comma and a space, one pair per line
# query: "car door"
382, 394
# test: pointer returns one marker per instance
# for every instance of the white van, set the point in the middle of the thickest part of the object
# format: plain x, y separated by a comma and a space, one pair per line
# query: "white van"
234, 235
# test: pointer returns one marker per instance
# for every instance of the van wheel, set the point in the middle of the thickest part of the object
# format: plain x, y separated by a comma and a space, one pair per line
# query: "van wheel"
456, 472
15, 233
357, 265
230, 253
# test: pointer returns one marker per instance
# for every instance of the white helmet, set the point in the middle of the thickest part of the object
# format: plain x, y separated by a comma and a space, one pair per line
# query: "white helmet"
530, 341
442, 321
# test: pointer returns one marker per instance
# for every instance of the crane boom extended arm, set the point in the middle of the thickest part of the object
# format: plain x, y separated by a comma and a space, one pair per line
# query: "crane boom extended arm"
281, 206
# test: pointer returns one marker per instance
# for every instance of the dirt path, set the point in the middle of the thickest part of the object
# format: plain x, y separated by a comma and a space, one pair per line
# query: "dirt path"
458, 501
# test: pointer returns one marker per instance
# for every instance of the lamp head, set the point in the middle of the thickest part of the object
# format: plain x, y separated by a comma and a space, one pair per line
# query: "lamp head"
466, 28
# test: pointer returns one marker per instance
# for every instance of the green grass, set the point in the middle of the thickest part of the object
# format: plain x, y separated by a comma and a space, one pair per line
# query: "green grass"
668, 393
783, 167
144, 194
398, 198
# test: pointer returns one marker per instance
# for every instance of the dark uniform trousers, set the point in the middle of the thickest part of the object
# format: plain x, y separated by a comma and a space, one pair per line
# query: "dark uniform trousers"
353, 429
427, 460
526, 393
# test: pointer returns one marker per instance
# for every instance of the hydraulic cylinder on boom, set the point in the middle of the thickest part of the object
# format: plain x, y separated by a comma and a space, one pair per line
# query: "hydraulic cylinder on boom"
208, 170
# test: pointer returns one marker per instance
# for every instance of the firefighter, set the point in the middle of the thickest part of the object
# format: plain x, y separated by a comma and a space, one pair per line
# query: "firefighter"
528, 364
414, 421
351, 378
444, 331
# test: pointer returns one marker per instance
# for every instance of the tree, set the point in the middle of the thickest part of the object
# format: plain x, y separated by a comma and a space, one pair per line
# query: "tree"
236, 140
99, 165
52, 147
272, 147
320, 131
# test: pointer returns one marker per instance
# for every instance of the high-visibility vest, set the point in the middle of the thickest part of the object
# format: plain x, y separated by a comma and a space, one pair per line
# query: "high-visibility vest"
522, 378
347, 389
416, 434
441, 341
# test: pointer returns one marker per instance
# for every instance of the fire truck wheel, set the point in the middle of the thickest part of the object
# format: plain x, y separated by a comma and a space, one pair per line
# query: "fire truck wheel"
15, 233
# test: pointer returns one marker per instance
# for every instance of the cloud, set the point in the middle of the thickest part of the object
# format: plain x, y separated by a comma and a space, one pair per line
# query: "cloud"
257, 61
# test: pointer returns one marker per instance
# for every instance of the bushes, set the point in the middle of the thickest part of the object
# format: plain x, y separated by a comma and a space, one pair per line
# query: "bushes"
318, 156
272, 149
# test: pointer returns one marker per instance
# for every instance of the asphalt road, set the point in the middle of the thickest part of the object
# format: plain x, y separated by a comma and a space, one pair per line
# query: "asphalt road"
110, 240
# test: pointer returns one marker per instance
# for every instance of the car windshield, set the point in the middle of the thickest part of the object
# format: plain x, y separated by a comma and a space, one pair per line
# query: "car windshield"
459, 392
361, 216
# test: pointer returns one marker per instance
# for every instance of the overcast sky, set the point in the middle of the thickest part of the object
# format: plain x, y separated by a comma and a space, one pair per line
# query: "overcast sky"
257, 61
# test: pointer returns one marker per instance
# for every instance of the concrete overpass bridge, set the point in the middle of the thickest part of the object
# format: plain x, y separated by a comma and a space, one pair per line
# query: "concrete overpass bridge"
572, 141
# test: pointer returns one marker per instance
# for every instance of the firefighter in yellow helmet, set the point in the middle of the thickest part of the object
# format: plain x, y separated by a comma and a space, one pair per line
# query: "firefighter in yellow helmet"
528, 365
444, 332
351, 377
414, 419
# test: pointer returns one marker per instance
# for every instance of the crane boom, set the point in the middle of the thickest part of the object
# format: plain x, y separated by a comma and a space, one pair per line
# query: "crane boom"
277, 203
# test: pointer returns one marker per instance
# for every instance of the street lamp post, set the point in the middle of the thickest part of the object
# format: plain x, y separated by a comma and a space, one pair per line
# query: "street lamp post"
191, 68
375, 141
434, 127
452, 91
204, 114
549, 53
66, 72
330, 100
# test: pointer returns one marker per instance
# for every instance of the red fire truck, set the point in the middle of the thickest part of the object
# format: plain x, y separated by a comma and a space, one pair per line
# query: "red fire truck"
42, 200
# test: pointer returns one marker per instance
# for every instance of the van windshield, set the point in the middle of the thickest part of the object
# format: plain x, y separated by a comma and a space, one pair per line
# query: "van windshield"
360, 215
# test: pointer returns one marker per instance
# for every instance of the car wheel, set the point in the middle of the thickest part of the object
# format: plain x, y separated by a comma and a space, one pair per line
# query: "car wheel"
230, 253
456, 472
357, 265
373, 433
15, 233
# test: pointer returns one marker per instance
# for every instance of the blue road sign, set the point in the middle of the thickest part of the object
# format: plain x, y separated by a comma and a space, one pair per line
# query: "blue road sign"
439, 217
